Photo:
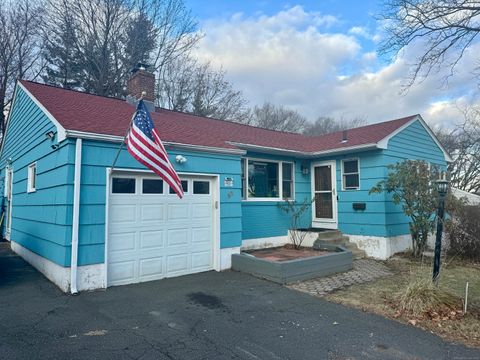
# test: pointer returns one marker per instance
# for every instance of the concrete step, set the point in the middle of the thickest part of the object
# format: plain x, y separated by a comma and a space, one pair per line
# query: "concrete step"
336, 237
333, 236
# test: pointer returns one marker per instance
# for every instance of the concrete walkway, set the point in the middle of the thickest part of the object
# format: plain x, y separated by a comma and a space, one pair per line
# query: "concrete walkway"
364, 270
211, 315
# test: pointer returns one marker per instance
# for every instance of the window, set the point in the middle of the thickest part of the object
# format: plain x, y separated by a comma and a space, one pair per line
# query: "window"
201, 187
351, 174
152, 186
264, 179
123, 186
287, 178
184, 187
32, 178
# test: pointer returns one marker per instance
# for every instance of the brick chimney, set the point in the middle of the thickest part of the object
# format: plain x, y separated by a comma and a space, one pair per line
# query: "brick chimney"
141, 81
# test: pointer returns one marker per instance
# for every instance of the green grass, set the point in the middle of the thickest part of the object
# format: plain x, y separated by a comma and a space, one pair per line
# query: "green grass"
403, 295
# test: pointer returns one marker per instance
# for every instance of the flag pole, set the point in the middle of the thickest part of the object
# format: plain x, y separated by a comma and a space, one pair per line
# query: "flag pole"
126, 134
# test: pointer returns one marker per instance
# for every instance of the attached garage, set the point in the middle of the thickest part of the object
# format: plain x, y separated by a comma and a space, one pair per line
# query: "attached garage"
152, 234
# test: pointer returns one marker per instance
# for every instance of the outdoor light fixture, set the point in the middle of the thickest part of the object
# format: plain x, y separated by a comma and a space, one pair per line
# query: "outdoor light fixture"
50, 135
305, 169
180, 159
442, 186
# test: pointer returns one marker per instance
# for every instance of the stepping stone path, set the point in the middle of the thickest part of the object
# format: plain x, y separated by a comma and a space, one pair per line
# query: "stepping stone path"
364, 270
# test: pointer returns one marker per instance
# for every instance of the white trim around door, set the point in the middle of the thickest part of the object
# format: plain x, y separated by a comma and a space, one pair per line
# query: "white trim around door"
329, 191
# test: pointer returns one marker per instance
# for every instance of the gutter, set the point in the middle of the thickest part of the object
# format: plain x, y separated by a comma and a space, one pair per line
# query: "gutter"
305, 154
168, 144
76, 215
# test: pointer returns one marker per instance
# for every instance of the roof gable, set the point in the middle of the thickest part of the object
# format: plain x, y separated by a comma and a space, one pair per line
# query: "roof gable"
108, 119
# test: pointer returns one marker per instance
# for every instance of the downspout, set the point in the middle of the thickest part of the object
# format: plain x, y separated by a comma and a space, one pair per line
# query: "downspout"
76, 215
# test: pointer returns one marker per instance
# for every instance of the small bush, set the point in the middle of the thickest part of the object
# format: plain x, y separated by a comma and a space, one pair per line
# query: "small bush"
463, 232
422, 298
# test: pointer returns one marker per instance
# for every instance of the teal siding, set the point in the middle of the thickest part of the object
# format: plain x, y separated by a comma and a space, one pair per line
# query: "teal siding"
412, 143
382, 217
264, 218
97, 156
41, 220
370, 221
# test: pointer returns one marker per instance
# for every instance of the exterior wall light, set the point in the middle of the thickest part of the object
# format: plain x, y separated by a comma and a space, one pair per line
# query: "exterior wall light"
180, 159
50, 135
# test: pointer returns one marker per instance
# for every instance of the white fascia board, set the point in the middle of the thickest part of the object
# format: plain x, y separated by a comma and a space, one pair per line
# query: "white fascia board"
269, 150
383, 144
168, 144
338, 151
304, 154
61, 133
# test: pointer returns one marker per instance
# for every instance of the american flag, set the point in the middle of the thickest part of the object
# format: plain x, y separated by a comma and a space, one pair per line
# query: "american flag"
144, 144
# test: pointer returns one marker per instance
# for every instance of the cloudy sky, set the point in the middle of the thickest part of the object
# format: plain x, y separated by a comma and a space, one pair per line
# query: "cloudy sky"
320, 58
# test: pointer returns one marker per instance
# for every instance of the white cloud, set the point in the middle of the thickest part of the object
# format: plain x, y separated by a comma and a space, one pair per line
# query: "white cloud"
290, 59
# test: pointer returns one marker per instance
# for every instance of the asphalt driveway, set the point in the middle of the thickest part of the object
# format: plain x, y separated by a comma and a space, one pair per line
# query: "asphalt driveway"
206, 316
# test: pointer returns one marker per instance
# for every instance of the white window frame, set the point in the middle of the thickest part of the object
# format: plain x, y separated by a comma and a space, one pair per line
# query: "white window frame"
32, 178
280, 180
343, 174
125, 176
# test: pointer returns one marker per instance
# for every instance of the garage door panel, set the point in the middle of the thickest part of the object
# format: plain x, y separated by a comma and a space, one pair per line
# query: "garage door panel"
122, 272
202, 235
201, 260
152, 213
202, 211
124, 241
177, 263
151, 267
178, 212
176, 237
123, 214
151, 240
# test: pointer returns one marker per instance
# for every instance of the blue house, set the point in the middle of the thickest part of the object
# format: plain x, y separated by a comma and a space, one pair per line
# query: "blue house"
86, 224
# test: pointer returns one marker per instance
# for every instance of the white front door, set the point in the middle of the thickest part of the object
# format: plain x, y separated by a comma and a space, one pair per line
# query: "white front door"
324, 208
153, 234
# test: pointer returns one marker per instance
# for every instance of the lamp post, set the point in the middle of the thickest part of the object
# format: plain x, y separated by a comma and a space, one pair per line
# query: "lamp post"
442, 186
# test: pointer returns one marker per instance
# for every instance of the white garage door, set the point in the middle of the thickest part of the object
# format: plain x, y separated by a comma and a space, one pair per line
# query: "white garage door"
153, 234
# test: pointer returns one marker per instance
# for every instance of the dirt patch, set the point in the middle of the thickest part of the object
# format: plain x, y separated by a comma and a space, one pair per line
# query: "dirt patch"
286, 253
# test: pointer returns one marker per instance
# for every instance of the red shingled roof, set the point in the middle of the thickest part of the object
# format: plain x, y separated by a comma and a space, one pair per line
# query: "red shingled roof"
102, 115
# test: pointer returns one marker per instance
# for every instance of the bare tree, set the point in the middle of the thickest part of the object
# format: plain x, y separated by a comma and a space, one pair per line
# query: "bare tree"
463, 143
201, 89
273, 117
106, 38
326, 125
444, 28
20, 48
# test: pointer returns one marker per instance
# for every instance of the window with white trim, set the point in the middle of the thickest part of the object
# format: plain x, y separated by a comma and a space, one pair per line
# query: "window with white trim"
267, 179
32, 178
351, 174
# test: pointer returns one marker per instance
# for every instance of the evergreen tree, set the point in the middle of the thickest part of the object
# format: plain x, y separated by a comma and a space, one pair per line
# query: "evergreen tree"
63, 64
